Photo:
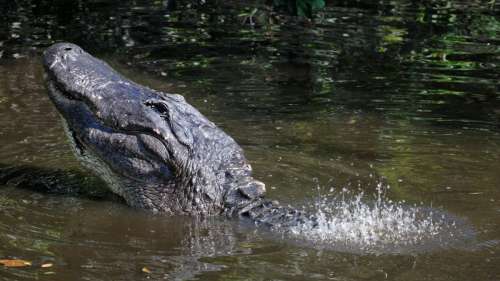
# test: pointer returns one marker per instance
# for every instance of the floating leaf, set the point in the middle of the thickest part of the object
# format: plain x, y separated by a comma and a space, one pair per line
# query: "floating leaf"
15, 263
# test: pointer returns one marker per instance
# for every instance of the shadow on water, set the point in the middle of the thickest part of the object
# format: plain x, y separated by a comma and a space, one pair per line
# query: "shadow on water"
399, 92
54, 181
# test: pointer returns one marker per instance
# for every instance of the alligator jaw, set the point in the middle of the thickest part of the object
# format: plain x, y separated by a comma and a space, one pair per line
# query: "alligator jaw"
153, 149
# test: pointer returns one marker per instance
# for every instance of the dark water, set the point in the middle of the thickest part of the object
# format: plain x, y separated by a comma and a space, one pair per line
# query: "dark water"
397, 92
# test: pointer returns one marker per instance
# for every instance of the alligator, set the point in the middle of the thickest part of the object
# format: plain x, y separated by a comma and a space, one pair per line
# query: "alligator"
154, 149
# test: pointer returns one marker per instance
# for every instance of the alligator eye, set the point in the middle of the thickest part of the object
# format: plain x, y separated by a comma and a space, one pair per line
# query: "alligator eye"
159, 106
177, 121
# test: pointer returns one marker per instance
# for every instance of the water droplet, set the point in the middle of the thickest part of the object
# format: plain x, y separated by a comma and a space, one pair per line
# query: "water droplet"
350, 221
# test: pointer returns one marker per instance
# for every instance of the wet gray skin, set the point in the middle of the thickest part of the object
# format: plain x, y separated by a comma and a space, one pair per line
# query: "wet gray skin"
153, 149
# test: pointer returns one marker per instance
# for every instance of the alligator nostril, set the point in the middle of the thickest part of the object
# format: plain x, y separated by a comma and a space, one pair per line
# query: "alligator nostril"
67, 49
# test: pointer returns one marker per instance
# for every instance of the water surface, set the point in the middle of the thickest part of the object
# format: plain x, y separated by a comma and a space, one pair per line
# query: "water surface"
399, 94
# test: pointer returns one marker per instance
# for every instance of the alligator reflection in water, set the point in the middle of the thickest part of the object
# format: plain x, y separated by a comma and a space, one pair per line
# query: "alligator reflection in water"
79, 231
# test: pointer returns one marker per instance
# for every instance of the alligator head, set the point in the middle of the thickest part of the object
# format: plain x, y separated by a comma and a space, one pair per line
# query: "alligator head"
152, 148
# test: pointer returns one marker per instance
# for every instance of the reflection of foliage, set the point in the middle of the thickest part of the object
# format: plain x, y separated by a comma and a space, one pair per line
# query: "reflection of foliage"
304, 8
390, 35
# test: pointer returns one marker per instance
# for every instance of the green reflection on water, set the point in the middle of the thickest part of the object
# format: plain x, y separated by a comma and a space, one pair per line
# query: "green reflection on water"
405, 92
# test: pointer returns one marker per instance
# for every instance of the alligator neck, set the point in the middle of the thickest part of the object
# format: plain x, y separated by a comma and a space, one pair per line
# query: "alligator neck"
246, 203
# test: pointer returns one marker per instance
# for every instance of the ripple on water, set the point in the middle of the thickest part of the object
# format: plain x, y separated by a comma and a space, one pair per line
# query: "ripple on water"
351, 222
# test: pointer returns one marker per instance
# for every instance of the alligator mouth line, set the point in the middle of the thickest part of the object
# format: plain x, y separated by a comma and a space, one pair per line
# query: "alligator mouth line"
81, 149
85, 152
59, 90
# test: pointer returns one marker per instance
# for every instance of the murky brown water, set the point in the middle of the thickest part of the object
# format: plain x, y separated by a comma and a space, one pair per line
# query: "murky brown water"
404, 94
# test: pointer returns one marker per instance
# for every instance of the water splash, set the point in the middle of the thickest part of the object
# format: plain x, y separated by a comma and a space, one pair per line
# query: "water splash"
354, 222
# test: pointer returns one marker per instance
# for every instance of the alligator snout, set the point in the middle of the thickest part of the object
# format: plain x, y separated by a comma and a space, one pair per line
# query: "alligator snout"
60, 53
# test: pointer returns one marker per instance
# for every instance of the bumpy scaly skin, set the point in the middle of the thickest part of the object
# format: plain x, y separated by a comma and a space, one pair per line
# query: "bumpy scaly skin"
152, 148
